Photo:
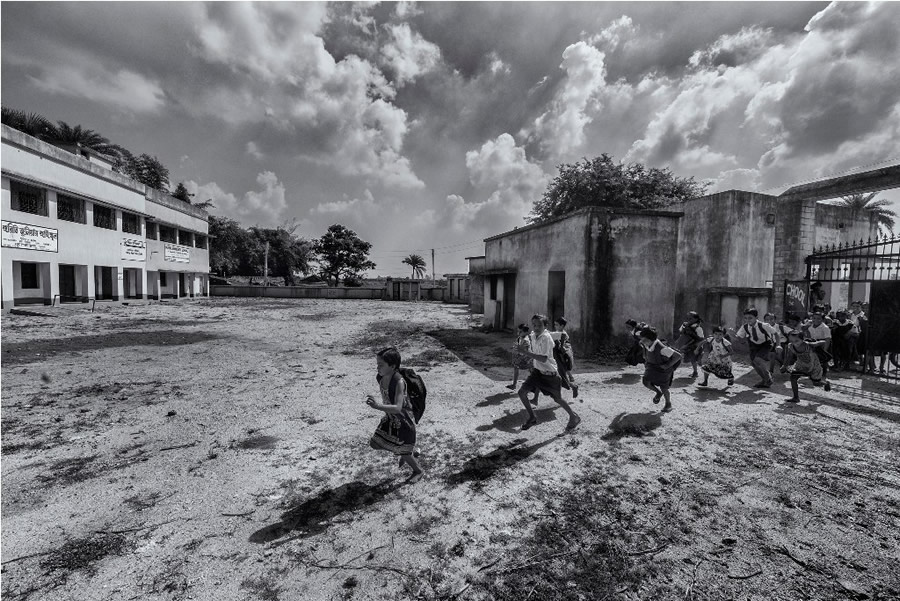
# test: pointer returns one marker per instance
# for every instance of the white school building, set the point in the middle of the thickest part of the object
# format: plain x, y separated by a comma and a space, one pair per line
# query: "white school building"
74, 230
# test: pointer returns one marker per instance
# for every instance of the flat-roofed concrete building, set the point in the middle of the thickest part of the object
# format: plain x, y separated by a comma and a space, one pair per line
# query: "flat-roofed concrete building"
74, 230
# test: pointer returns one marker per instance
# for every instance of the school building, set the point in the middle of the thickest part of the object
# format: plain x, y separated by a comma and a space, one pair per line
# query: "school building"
74, 230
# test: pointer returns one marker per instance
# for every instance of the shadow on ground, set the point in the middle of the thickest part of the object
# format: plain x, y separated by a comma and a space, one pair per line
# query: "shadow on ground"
632, 424
483, 467
497, 399
314, 516
512, 419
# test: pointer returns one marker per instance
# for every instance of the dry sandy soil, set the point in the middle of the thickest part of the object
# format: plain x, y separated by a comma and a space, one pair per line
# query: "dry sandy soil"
217, 449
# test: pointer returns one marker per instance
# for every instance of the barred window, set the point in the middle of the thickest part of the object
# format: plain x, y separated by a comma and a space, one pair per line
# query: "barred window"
28, 199
152, 232
131, 223
104, 217
167, 234
70, 209
29, 276
184, 238
199, 241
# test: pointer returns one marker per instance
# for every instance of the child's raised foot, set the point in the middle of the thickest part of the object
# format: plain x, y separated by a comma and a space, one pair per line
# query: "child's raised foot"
573, 423
667, 407
730, 381
657, 398
529, 423
415, 477
511, 386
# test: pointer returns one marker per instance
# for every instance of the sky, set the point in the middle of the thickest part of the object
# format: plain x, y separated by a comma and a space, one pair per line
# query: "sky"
433, 125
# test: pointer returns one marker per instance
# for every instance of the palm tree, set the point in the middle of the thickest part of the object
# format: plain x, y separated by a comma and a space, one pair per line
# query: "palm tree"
418, 265
866, 202
32, 124
66, 135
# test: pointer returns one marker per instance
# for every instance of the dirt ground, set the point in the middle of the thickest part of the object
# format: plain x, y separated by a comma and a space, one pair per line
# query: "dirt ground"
218, 449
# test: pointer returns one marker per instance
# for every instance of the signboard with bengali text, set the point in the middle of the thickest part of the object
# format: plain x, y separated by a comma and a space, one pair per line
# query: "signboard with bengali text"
134, 249
30, 237
177, 253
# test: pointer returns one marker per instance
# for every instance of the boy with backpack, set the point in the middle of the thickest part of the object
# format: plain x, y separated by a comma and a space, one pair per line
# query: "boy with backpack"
403, 402
761, 338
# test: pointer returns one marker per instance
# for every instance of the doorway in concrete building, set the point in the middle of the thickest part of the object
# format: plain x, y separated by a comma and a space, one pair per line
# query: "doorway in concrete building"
509, 301
556, 295
31, 283
105, 280
182, 285
73, 284
133, 282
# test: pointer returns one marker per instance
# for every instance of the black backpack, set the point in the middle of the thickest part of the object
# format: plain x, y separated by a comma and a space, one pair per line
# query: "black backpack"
415, 390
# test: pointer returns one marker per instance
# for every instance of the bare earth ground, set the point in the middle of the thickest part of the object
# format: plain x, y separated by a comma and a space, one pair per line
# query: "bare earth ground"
217, 449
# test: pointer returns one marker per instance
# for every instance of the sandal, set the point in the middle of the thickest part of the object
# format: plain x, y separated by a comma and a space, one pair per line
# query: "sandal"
528, 424
573, 423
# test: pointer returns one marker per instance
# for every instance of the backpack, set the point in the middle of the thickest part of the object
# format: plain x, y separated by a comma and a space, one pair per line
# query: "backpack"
415, 390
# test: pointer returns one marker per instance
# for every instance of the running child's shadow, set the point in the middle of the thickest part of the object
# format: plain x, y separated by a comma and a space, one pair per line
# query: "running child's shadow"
746, 397
314, 516
706, 394
632, 424
496, 399
624, 379
483, 467
511, 421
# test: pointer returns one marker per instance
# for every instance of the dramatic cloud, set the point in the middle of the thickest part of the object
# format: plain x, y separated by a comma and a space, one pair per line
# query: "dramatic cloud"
265, 207
408, 54
560, 130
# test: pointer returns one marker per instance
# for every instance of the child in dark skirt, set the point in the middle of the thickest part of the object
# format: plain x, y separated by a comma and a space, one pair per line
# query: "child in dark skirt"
396, 432
718, 357
565, 357
660, 363
520, 362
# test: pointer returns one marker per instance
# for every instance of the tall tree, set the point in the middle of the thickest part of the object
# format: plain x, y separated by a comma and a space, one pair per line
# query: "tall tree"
288, 254
342, 255
417, 263
866, 203
603, 182
32, 124
181, 193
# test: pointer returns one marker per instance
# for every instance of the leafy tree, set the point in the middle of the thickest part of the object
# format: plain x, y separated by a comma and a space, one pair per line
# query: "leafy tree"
288, 254
32, 124
866, 203
181, 193
145, 169
601, 182
342, 255
417, 263
228, 241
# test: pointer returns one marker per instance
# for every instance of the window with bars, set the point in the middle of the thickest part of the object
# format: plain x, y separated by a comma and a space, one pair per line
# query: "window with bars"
131, 223
199, 241
104, 217
28, 199
152, 230
70, 209
30, 276
167, 234
184, 238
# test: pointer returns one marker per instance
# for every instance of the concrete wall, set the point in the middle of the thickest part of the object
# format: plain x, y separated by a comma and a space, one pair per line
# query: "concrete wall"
617, 264
726, 239
297, 292
476, 284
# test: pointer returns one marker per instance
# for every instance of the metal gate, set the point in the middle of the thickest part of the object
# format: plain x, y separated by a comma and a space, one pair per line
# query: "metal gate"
871, 271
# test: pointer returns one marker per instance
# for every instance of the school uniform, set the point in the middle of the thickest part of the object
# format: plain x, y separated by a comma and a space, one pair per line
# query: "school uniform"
760, 337
396, 432
544, 376
655, 357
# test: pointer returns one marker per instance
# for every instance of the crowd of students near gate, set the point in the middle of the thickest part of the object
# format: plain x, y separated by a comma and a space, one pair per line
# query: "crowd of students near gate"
802, 347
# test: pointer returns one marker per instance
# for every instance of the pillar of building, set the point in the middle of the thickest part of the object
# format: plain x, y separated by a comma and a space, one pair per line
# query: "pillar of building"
795, 238
120, 283
54, 280
8, 286
91, 282
177, 278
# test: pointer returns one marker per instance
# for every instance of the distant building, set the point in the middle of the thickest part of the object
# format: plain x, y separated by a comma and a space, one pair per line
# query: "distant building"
476, 284
457, 288
75, 230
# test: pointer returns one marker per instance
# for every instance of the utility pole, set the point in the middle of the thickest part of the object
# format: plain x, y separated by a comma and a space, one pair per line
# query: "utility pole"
433, 273
266, 272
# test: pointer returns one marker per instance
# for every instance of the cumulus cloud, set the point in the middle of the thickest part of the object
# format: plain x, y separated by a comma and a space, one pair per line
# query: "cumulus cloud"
253, 150
560, 129
408, 54
509, 183
356, 209
265, 207
335, 113
621, 31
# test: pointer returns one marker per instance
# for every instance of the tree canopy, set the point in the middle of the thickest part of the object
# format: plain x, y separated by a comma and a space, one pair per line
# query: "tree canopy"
602, 182
342, 255
181, 193
235, 250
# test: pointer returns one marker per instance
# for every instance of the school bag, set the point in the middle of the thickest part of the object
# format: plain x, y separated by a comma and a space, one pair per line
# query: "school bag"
415, 390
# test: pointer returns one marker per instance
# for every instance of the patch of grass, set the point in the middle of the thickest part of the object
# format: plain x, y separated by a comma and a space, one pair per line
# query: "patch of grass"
261, 588
69, 471
430, 358
83, 553
257, 442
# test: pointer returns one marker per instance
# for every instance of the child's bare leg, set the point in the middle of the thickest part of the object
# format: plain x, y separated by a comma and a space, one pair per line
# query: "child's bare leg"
653, 387
795, 388
574, 419
515, 379
414, 464
523, 396
705, 381
665, 392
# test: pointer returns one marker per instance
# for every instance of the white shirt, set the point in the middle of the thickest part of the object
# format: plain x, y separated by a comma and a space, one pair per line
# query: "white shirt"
543, 345
820, 332
756, 336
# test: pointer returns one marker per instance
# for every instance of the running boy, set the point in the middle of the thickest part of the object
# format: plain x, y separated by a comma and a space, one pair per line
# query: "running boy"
761, 337
544, 376
396, 432
802, 360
